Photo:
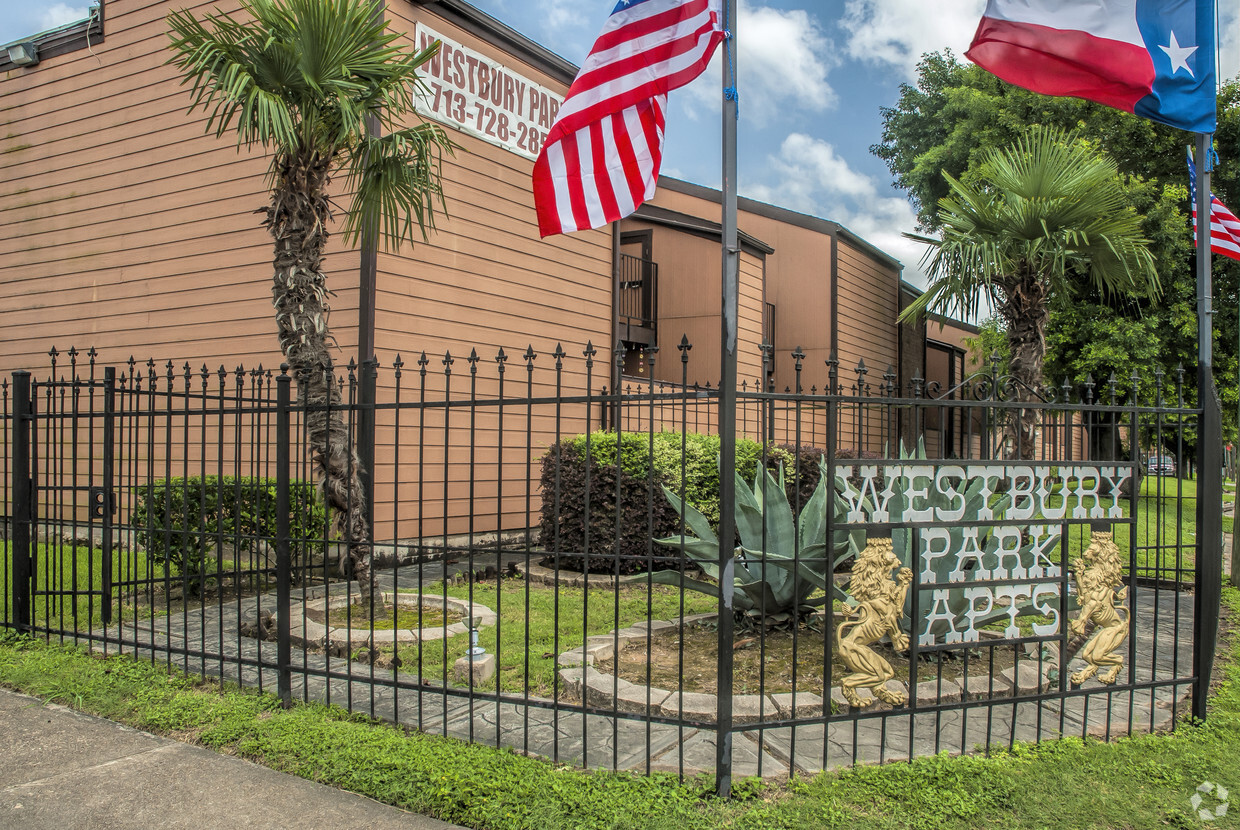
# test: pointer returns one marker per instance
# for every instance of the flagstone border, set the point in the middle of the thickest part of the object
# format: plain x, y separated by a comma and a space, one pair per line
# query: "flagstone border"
607, 691
311, 634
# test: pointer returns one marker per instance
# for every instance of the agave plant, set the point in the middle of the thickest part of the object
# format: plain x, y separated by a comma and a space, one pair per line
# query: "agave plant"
783, 568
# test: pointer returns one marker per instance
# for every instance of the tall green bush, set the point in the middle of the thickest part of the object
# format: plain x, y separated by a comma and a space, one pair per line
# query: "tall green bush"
179, 521
645, 465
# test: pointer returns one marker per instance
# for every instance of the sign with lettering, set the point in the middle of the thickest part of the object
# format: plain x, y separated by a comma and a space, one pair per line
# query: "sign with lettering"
486, 99
981, 536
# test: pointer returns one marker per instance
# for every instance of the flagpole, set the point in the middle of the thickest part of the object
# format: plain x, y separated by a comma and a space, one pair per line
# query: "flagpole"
727, 414
1235, 467
1209, 559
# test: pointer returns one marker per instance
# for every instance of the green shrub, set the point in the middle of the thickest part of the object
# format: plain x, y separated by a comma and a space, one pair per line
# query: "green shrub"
179, 521
637, 482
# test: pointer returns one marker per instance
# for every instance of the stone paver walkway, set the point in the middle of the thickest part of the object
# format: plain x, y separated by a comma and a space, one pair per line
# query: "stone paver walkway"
605, 740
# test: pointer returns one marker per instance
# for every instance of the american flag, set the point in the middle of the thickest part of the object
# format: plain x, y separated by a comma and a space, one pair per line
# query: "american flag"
601, 158
1224, 226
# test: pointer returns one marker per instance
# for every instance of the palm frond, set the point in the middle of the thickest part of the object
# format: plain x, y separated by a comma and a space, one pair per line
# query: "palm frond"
396, 182
1047, 205
320, 79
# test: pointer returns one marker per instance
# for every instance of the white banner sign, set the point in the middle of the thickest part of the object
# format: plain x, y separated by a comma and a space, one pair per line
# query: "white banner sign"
484, 98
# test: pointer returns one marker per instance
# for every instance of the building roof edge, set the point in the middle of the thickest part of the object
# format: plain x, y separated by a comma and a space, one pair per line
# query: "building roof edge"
502, 36
791, 217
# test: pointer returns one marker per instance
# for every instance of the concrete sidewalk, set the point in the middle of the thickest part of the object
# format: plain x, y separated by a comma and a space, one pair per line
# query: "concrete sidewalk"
62, 769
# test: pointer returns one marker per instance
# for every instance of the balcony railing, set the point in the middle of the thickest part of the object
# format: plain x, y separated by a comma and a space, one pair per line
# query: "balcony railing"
637, 291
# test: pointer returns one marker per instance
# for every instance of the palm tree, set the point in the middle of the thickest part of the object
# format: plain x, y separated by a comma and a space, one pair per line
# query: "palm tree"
322, 86
1043, 215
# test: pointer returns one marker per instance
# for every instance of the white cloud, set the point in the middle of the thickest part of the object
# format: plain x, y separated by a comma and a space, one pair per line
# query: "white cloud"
61, 14
1228, 41
899, 32
782, 62
560, 16
810, 177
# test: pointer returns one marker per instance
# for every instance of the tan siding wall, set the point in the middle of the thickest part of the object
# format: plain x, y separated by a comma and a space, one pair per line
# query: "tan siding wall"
867, 331
798, 282
958, 335
799, 285
484, 281
689, 304
867, 327
123, 226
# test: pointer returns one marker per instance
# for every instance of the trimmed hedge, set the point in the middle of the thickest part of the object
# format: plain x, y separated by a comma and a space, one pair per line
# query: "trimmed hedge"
636, 482
179, 520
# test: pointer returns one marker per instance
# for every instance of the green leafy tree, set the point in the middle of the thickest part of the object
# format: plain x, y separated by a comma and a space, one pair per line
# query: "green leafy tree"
323, 87
988, 351
957, 112
1037, 218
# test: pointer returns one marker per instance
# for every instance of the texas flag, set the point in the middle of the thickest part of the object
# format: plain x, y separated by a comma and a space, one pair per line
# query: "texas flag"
1154, 58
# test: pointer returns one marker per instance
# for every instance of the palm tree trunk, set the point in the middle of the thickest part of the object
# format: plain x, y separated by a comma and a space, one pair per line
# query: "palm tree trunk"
1026, 313
297, 219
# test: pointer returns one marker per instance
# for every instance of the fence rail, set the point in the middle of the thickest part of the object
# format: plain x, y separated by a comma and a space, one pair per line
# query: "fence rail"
907, 581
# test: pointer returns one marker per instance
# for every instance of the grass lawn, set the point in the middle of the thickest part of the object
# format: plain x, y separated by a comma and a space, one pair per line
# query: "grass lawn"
1165, 530
1137, 783
605, 609
71, 579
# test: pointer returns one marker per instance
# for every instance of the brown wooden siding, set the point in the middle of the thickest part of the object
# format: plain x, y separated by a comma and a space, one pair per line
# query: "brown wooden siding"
122, 225
867, 332
799, 285
484, 281
689, 303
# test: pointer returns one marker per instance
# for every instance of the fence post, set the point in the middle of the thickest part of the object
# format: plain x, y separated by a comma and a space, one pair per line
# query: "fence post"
284, 676
1209, 577
366, 436
109, 476
23, 501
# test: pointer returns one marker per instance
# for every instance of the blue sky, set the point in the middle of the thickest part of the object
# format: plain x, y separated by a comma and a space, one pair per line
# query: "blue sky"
812, 77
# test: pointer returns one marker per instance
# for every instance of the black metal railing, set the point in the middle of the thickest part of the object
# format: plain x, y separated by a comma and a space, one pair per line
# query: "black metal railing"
637, 290
521, 507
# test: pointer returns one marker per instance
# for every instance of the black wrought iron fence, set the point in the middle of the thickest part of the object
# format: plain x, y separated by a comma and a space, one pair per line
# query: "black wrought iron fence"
918, 569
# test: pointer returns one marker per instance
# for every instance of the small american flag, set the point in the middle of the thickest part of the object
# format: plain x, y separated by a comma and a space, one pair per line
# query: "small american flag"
1224, 226
601, 157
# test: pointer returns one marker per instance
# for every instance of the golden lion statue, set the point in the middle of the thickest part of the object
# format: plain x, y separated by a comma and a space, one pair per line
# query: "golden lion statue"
1097, 575
880, 605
